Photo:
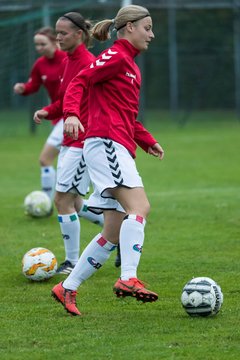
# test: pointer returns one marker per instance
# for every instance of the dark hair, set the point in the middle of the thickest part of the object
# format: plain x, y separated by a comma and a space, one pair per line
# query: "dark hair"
78, 22
48, 32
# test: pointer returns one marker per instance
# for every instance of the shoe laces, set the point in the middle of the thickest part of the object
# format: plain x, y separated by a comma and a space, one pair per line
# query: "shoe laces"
139, 283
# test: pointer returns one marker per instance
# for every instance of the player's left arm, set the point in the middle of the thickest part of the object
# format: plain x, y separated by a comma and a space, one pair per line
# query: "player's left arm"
156, 150
54, 109
34, 82
146, 141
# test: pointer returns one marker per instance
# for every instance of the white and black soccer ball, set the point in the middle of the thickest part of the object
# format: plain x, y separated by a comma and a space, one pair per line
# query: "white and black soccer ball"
202, 296
37, 204
39, 264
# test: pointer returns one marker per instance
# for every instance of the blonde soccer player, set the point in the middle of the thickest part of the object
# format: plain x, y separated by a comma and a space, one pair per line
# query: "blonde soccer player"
113, 82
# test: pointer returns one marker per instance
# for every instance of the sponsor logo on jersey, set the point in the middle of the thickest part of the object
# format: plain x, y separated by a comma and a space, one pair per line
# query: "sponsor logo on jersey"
131, 76
44, 77
59, 183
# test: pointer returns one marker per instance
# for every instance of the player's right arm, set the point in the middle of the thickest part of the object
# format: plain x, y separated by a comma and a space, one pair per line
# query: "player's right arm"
102, 69
54, 109
32, 85
19, 88
39, 115
72, 125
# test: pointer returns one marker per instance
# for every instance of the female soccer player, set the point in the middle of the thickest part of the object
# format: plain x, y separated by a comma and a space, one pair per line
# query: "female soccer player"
72, 177
47, 72
109, 151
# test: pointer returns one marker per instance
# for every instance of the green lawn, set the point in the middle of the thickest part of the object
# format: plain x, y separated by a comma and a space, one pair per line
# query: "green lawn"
193, 230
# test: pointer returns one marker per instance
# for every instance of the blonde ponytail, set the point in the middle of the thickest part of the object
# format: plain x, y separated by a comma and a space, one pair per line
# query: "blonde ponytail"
101, 30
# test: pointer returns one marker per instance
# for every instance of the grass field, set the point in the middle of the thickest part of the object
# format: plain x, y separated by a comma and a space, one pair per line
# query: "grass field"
193, 230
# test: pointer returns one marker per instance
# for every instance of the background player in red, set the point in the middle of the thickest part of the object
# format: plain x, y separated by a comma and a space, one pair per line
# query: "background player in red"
72, 176
109, 149
47, 72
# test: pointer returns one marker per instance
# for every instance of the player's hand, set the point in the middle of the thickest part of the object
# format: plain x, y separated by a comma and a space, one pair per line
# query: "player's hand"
19, 88
72, 126
156, 150
39, 115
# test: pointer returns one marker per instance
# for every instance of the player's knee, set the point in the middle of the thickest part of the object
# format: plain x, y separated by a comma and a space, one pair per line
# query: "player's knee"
143, 209
147, 209
43, 161
56, 200
59, 203
64, 203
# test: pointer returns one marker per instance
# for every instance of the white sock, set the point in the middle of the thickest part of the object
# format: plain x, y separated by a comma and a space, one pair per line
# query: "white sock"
86, 214
93, 257
70, 229
48, 180
131, 242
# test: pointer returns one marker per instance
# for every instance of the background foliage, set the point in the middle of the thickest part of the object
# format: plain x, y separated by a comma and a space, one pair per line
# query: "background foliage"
205, 49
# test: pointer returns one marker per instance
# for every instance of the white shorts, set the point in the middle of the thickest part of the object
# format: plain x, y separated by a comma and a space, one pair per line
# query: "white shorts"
56, 136
72, 173
109, 165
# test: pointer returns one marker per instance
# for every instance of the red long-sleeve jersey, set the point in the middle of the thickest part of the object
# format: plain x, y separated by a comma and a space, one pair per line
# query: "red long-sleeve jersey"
75, 62
47, 72
113, 81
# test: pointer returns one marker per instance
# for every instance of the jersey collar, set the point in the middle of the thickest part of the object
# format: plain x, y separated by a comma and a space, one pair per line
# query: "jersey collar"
128, 47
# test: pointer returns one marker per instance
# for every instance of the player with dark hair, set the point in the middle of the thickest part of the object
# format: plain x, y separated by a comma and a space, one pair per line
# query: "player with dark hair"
73, 35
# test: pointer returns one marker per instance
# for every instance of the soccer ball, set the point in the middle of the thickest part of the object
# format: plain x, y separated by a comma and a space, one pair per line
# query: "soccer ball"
202, 296
39, 264
37, 204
